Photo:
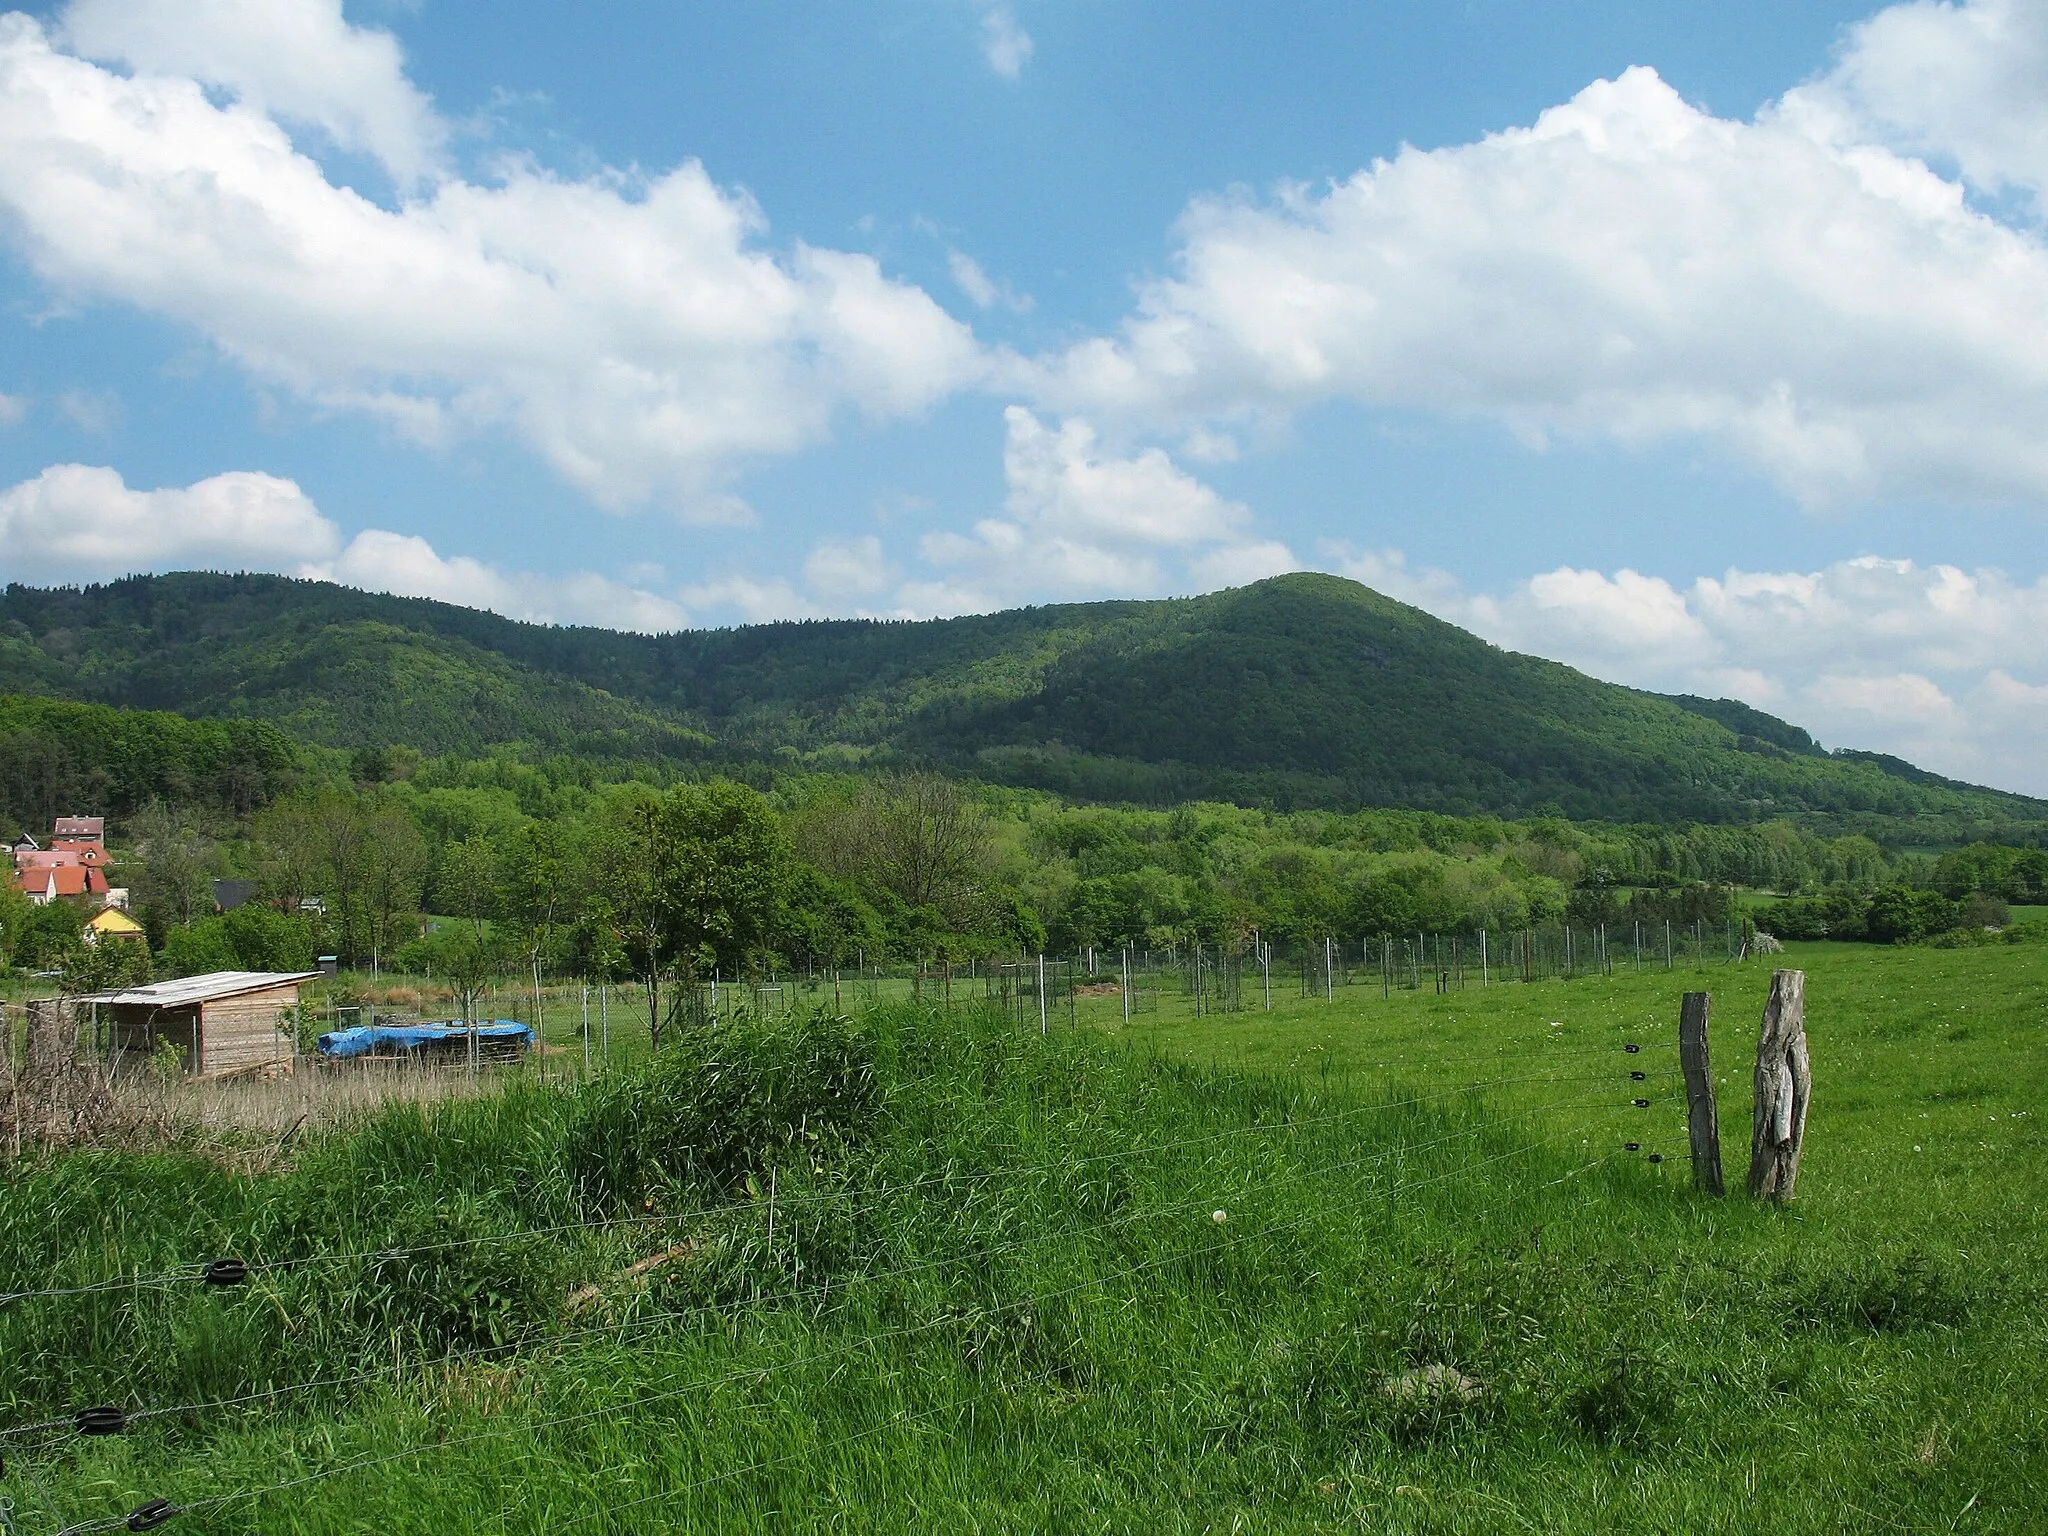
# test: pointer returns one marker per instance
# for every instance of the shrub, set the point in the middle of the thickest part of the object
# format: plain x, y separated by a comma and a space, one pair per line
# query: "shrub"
250, 938
1900, 914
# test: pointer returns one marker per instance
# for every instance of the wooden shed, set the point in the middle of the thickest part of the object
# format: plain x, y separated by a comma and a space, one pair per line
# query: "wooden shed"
227, 1021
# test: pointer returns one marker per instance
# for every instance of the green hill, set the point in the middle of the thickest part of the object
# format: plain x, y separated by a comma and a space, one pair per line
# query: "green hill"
1300, 691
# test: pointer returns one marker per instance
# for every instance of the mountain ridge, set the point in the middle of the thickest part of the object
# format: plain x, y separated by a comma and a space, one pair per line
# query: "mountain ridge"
1299, 691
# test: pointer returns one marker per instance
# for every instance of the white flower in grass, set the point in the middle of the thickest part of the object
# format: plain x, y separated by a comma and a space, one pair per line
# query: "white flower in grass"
1219, 1217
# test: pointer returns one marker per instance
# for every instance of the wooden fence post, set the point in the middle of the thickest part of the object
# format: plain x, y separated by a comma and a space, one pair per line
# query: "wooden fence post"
1784, 1085
1702, 1118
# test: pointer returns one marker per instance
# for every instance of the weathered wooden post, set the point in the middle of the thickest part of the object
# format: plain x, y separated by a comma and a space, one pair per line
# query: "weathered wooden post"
1702, 1118
1784, 1085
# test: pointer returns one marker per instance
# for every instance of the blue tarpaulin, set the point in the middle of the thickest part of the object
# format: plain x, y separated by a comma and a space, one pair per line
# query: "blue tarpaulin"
401, 1039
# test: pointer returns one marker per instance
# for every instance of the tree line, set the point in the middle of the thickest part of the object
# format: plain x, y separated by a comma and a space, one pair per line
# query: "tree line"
467, 867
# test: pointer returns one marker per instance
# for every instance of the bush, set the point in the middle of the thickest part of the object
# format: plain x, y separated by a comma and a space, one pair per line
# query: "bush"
197, 949
1899, 914
251, 938
1893, 914
720, 1103
1982, 911
48, 935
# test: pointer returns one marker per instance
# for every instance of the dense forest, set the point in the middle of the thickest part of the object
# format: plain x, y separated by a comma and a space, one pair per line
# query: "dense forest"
575, 866
407, 784
1302, 692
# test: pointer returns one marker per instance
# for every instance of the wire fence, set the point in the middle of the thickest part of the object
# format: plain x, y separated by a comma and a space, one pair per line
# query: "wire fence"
581, 1028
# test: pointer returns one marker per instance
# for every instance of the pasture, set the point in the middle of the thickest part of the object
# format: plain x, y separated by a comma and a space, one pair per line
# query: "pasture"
1378, 1263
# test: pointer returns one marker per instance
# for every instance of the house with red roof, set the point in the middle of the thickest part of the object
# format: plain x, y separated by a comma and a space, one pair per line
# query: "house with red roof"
75, 863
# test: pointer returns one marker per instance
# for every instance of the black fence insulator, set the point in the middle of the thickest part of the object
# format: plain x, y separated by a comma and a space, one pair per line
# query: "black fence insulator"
226, 1272
1640, 1103
1631, 1146
1656, 1157
1639, 1077
147, 1517
103, 1420
1632, 1049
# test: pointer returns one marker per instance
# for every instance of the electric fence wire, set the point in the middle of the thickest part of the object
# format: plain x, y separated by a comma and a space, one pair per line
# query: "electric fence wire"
117, 1420
159, 1511
186, 1274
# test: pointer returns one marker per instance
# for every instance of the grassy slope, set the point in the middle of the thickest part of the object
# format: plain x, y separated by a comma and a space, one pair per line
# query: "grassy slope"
1083, 1348
1302, 690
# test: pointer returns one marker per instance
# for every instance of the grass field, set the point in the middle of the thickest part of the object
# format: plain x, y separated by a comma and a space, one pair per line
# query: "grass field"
921, 1273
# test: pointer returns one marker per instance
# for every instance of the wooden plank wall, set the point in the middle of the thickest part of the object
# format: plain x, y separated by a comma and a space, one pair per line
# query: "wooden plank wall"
243, 1031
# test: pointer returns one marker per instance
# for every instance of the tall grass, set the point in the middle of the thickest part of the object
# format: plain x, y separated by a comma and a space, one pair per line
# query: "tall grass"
918, 1272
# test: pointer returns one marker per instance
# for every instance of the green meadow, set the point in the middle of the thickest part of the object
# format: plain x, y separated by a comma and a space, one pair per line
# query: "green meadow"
1376, 1263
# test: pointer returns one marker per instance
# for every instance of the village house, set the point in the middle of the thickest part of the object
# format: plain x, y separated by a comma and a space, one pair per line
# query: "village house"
74, 865
110, 922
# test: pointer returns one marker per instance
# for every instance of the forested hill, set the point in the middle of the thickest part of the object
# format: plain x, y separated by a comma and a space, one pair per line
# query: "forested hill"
1301, 691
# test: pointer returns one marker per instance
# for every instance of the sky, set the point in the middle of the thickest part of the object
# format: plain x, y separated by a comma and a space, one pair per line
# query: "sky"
1703, 346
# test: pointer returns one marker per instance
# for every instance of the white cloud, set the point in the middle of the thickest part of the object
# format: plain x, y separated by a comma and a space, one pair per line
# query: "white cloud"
1905, 698
1080, 521
631, 330
297, 60
78, 523
1967, 84
756, 602
408, 566
1388, 571
1061, 483
1239, 565
1928, 662
1005, 44
73, 522
853, 568
13, 410
93, 411
1628, 267
983, 290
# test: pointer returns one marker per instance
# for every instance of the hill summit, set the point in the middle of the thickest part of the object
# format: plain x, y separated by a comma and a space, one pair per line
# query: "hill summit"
1299, 691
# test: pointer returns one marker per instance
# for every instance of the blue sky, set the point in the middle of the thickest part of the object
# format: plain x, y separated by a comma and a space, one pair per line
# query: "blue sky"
1699, 345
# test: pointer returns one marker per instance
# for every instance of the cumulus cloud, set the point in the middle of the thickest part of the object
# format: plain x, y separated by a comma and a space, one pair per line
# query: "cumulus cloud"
74, 522
983, 290
755, 602
1963, 83
1388, 571
1628, 267
1005, 44
847, 569
408, 566
298, 60
631, 330
79, 523
1079, 520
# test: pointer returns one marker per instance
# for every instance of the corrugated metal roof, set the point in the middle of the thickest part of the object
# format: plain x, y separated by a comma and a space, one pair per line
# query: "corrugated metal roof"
187, 990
